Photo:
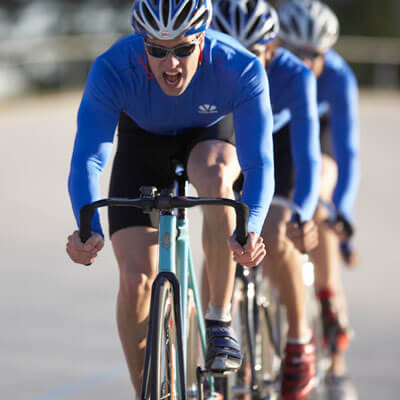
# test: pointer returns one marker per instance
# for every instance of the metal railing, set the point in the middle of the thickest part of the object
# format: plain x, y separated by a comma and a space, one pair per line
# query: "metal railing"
355, 49
382, 53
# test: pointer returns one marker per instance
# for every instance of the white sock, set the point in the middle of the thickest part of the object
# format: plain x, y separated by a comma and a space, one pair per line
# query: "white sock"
302, 340
222, 314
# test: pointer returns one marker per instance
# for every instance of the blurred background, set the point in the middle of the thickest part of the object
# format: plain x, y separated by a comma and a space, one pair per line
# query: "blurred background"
47, 44
58, 338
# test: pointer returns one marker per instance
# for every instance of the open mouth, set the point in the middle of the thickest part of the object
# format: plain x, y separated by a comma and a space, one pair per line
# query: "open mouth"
172, 78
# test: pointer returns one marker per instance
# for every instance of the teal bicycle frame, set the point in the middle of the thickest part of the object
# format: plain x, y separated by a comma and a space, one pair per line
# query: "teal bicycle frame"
175, 262
175, 257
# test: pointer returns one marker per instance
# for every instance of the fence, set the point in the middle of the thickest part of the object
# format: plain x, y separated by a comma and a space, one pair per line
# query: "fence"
382, 53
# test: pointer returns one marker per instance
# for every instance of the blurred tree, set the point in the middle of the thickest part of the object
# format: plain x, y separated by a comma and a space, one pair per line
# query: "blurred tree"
368, 17
64, 17
365, 17
357, 17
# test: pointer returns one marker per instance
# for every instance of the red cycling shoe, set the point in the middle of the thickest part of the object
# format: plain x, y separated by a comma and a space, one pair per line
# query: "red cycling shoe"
337, 333
299, 371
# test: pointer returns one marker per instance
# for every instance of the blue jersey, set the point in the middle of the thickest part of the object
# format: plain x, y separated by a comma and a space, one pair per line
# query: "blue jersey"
338, 93
293, 92
228, 79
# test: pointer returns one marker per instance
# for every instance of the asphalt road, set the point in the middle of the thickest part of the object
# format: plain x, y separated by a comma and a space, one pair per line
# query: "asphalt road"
58, 338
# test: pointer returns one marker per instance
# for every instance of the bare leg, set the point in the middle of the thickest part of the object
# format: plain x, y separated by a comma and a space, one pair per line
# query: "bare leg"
205, 290
212, 169
136, 250
283, 264
326, 255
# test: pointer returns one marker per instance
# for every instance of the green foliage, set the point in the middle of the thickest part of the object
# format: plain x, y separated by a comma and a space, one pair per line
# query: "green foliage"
368, 17
365, 17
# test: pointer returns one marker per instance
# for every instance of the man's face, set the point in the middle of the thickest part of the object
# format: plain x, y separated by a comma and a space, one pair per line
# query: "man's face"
316, 64
259, 50
313, 60
174, 73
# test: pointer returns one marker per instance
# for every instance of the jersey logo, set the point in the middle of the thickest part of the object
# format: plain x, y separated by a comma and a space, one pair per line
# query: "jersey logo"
207, 109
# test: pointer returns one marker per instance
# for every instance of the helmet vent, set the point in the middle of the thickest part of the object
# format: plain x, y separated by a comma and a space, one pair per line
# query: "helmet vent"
310, 28
250, 7
238, 20
323, 32
295, 25
149, 17
202, 17
165, 11
254, 27
220, 26
224, 7
183, 14
284, 27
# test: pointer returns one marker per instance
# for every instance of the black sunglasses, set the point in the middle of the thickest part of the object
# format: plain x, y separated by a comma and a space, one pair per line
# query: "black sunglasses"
181, 51
305, 54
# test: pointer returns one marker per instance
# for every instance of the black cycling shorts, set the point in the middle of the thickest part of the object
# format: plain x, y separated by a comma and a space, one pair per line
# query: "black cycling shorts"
146, 159
326, 136
284, 170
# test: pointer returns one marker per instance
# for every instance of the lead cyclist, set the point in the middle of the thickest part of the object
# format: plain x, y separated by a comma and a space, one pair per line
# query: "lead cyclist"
172, 84
297, 158
310, 29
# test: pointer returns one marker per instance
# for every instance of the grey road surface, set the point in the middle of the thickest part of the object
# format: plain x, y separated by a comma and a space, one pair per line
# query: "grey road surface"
58, 338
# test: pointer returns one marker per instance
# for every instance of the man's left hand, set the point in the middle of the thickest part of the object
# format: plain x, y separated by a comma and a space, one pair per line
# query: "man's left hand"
252, 253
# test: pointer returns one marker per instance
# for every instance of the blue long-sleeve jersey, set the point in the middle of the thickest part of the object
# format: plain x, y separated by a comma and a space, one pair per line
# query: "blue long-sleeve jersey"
293, 92
338, 94
228, 79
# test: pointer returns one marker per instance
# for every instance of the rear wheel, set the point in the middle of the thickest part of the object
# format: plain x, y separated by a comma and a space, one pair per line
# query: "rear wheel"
165, 382
256, 379
246, 326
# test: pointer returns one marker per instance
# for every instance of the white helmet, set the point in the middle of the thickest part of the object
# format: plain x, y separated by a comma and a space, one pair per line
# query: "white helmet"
308, 24
170, 19
248, 21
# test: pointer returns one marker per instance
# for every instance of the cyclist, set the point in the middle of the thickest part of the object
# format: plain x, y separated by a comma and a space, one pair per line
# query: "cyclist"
296, 150
173, 84
310, 29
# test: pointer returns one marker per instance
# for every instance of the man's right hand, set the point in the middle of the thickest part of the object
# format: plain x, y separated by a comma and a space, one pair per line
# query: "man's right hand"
349, 254
305, 238
84, 253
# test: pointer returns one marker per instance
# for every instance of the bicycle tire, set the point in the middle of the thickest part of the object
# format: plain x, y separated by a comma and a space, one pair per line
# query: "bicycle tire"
164, 378
241, 382
246, 318
193, 347
255, 379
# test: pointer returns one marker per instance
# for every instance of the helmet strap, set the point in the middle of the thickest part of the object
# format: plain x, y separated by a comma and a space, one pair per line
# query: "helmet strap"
201, 51
200, 57
145, 66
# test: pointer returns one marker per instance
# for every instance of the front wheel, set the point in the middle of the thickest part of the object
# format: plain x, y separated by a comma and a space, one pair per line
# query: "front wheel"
194, 352
165, 379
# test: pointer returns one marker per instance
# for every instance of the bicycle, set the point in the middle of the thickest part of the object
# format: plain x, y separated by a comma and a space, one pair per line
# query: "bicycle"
261, 320
176, 320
